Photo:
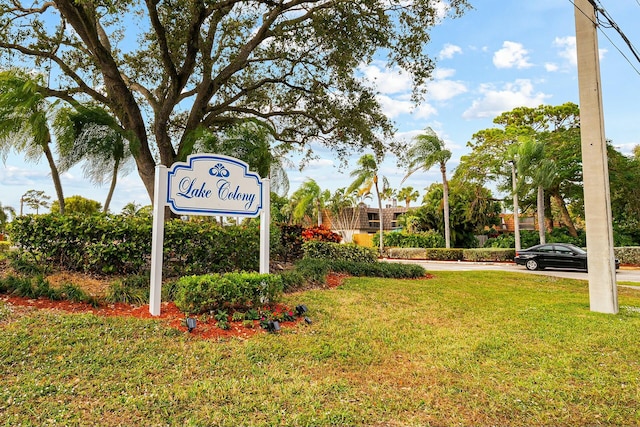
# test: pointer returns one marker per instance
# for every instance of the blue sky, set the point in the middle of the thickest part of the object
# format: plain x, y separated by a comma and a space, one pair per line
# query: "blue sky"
501, 55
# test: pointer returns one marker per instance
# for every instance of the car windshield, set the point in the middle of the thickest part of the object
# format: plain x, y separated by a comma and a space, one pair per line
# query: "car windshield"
577, 249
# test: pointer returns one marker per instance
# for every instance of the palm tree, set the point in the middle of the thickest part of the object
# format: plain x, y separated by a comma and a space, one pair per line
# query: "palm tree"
531, 163
91, 135
24, 122
427, 151
6, 213
366, 176
344, 212
408, 194
35, 199
309, 201
252, 143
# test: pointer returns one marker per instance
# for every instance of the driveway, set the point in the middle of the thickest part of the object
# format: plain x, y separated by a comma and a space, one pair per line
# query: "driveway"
624, 274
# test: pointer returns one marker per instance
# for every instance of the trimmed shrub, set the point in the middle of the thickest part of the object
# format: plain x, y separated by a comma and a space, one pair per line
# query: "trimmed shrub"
402, 239
292, 280
240, 291
316, 270
108, 244
488, 254
336, 251
407, 253
628, 255
443, 254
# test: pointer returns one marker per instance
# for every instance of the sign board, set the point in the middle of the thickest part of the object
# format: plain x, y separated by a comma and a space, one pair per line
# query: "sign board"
210, 184
206, 184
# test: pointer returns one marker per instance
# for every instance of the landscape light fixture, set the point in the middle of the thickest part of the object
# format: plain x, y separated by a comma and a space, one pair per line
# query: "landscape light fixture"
308, 321
191, 324
301, 309
273, 326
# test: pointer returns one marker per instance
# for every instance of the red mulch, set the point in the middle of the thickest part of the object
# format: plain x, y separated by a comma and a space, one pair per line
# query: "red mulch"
206, 327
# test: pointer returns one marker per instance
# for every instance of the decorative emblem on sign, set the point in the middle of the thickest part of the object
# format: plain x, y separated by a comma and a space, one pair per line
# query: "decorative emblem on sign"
214, 185
219, 170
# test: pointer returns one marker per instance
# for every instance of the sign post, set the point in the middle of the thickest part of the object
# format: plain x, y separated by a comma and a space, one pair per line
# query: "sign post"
206, 184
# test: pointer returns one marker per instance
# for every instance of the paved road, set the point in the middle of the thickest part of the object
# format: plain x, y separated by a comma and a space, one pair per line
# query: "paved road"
624, 274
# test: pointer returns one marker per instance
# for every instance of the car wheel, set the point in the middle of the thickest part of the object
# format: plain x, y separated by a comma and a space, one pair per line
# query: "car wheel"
532, 264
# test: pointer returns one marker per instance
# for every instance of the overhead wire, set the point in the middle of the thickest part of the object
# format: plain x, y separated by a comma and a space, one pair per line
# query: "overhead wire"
611, 24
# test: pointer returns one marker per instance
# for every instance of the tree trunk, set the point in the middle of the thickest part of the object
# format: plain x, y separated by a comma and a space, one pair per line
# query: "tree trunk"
541, 225
112, 187
380, 216
445, 200
566, 218
548, 214
55, 176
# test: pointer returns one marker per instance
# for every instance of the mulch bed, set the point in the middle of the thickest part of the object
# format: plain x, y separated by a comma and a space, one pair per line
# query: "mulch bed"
206, 327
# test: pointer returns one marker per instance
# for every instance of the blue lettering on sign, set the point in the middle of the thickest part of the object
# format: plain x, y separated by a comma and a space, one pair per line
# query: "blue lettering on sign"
187, 189
226, 192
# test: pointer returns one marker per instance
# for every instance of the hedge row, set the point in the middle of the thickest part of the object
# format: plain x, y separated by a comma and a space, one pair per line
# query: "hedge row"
118, 244
439, 254
316, 270
629, 255
401, 239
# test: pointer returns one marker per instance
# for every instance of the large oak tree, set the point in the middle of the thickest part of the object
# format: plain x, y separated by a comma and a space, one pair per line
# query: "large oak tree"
166, 69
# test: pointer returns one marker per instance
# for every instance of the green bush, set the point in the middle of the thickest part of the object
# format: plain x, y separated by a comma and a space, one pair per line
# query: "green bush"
240, 291
336, 251
628, 255
292, 280
107, 244
129, 290
489, 254
407, 253
443, 254
4, 246
402, 239
315, 270
38, 287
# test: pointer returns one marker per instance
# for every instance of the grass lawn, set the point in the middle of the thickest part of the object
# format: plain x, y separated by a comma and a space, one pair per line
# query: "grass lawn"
463, 348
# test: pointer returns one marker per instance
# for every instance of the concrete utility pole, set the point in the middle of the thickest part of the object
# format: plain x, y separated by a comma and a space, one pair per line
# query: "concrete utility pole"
516, 208
603, 293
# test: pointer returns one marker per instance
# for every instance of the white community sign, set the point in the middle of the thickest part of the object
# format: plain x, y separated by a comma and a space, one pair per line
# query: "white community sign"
206, 184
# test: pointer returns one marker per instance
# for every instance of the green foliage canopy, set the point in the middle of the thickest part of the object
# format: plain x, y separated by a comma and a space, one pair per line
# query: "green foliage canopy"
199, 64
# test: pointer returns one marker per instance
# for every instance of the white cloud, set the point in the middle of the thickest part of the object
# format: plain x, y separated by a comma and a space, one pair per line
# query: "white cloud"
441, 90
567, 49
394, 107
567, 52
449, 50
551, 67
511, 55
319, 164
443, 73
387, 81
496, 101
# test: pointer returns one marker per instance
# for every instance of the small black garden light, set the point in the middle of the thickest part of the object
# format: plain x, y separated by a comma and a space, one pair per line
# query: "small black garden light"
191, 324
301, 309
273, 326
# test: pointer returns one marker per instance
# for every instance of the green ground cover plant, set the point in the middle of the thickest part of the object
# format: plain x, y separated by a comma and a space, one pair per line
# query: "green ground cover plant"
461, 348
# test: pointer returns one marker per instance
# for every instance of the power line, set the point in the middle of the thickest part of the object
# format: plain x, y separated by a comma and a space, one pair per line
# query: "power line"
610, 23
615, 26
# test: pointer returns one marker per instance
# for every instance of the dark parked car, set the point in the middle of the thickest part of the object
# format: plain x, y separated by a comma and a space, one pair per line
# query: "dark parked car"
553, 255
